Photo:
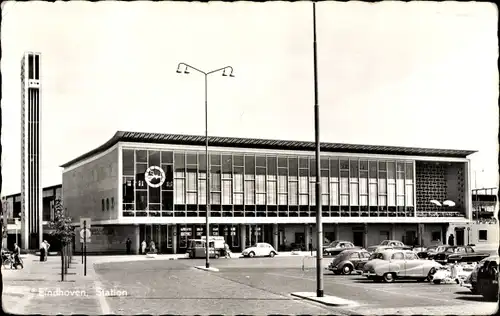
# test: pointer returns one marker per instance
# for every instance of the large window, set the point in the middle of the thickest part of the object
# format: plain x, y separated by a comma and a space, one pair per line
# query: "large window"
263, 184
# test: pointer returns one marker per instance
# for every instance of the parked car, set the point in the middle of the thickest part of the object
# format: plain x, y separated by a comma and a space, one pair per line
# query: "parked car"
430, 252
471, 281
389, 244
336, 247
487, 278
358, 267
459, 254
260, 249
393, 264
346, 261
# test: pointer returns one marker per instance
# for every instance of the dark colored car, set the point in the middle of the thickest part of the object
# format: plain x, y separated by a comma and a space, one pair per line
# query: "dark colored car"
336, 247
459, 254
430, 252
347, 260
487, 279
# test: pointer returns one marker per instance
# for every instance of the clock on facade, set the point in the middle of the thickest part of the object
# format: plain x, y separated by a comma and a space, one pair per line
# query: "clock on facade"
154, 176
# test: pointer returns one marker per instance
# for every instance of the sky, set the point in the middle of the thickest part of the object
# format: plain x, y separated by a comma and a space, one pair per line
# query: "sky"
418, 74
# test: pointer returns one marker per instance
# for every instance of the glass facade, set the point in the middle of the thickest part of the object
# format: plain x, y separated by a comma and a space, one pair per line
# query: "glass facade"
260, 185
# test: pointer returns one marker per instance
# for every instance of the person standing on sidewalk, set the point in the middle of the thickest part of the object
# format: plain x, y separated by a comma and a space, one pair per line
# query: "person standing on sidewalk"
129, 245
47, 247
143, 247
42, 251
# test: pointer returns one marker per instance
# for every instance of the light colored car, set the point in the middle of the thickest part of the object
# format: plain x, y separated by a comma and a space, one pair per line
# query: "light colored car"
260, 249
393, 264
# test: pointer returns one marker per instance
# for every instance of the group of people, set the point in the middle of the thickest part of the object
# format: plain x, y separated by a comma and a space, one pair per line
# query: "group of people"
152, 248
144, 247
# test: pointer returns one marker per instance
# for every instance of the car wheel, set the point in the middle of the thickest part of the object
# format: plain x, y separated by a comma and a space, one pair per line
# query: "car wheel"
251, 254
389, 277
430, 275
346, 269
216, 256
272, 254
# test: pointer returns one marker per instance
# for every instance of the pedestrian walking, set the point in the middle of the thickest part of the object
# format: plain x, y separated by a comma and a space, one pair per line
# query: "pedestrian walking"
47, 248
129, 245
227, 251
143, 247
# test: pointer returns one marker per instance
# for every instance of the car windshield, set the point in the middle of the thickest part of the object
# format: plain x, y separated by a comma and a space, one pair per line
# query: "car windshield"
440, 249
376, 255
450, 250
334, 244
384, 243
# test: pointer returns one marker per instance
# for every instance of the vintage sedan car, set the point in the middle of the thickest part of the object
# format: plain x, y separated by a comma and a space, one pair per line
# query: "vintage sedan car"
430, 252
346, 261
393, 264
260, 249
388, 244
487, 279
336, 247
453, 254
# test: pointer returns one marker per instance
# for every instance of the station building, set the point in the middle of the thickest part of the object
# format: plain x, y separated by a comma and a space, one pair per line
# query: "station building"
146, 186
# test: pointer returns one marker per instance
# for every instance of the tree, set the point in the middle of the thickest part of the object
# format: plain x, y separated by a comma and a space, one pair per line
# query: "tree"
62, 230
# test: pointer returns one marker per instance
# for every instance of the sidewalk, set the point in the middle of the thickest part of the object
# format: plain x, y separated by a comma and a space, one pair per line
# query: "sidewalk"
37, 289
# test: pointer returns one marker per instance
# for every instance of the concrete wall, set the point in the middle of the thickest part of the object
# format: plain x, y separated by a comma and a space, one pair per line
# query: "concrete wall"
455, 184
86, 186
108, 239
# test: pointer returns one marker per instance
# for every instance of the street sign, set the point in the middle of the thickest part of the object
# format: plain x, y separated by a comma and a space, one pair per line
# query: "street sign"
82, 235
87, 219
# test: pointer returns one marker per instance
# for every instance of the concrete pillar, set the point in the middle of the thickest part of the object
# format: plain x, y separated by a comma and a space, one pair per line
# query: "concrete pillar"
275, 236
308, 236
365, 235
174, 238
393, 232
243, 236
159, 239
137, 233
337, 232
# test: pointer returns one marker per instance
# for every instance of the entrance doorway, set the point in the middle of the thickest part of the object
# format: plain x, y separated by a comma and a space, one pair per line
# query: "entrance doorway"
357, 238
460, 237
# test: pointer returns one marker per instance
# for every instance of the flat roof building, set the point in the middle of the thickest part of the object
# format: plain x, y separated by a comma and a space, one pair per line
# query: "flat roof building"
147, 186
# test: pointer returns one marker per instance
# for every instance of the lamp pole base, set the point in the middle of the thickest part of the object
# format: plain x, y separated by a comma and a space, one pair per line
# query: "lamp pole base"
320, 293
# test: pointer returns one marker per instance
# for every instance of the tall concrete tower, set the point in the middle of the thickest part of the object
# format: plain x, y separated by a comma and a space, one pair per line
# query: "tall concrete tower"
31, 171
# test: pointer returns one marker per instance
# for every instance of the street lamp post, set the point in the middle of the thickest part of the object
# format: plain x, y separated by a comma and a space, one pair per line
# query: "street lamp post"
319, 219
229, 73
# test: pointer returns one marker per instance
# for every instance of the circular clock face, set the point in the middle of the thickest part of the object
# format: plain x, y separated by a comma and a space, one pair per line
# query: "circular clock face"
154, 176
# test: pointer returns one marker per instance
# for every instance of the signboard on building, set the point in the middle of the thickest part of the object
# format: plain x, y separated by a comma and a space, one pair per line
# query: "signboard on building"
87, 222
